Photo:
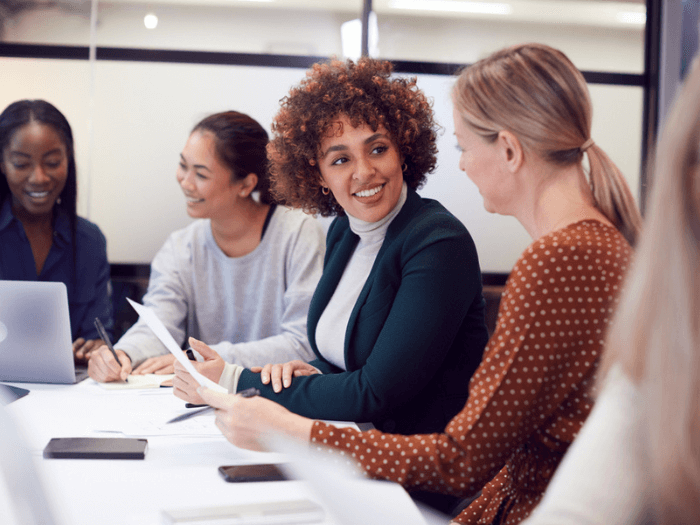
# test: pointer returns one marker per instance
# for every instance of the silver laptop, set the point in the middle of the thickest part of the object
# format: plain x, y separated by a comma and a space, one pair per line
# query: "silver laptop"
35, 334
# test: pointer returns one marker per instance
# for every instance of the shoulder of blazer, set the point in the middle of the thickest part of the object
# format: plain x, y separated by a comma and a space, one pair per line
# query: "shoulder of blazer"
339, 228
425, 218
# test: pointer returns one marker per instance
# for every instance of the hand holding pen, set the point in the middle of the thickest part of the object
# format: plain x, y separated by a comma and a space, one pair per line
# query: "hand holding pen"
101, 366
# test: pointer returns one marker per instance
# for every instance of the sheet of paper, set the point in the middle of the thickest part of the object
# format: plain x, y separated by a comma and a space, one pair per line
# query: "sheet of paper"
159, 329
156, 425
138, 381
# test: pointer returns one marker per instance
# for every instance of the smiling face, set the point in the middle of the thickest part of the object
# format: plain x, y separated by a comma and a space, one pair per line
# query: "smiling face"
482, 162
362, 168
35, 163
204, 179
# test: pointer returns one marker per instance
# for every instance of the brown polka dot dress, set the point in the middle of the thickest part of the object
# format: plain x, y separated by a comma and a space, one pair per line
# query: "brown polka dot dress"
529, 396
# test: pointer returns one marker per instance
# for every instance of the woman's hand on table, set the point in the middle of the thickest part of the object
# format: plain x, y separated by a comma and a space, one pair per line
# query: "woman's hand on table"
243, 421
281, 374
162, 364
104, 368
184, 385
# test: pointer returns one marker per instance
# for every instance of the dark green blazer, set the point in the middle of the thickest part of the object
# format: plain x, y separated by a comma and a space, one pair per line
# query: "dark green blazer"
415, 335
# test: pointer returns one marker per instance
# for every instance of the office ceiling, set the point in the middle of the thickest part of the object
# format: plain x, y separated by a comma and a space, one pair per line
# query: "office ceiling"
625, 14
353, 5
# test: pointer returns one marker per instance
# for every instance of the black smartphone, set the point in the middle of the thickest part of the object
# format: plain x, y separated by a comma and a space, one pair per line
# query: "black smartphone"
260, 472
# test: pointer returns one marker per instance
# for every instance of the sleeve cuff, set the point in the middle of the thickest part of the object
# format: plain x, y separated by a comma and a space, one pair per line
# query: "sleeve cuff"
317, 431
230, 376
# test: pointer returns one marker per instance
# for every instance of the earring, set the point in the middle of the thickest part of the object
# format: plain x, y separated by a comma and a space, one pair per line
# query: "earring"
325, 190
58, 201
404, 167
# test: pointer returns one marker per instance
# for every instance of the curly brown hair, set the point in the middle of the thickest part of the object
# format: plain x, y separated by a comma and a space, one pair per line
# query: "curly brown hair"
365, 93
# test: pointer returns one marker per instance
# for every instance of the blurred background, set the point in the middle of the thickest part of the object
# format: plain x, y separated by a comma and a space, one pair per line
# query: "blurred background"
134, 77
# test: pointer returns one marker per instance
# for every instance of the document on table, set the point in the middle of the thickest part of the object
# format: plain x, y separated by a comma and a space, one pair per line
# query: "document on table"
156, 425
266, 512
145, 413
161, 331
138, 381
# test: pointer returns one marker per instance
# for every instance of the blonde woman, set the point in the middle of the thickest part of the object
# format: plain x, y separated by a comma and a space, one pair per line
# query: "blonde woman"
522, 120
637, 459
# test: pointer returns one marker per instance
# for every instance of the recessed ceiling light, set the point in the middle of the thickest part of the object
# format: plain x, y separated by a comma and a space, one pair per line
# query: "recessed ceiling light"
631, 17
150, 21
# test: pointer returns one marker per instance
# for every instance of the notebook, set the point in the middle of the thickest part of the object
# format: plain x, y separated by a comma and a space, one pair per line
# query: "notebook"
35, 334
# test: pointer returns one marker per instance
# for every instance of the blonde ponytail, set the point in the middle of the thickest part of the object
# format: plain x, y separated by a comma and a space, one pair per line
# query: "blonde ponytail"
612, 195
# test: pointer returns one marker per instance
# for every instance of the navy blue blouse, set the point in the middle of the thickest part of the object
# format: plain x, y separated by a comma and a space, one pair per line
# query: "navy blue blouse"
88, 293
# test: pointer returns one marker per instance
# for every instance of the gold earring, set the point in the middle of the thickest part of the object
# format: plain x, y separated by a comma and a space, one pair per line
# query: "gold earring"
404, 167
325, 190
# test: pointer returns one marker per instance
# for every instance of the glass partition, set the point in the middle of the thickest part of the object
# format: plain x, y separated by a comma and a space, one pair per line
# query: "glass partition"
288, 27
132, 108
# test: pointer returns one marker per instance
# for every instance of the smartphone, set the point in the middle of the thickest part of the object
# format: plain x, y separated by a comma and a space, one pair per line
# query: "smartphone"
260, 472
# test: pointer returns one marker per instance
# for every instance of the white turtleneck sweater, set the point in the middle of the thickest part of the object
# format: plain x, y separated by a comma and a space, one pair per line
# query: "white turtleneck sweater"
331, 328
332, 325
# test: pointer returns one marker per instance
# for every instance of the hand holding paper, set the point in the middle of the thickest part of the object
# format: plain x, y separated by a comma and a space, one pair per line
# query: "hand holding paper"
162, 333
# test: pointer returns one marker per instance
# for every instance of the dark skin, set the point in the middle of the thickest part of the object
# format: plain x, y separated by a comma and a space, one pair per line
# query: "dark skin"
35, 165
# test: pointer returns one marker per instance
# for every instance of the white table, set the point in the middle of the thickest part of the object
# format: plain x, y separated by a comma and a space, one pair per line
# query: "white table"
178, 471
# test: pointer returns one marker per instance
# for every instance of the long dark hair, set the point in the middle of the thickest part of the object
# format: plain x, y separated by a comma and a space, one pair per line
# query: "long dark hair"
23, 112
240, 144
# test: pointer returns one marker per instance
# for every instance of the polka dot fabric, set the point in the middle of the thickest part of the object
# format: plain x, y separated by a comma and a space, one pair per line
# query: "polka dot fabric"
529, 396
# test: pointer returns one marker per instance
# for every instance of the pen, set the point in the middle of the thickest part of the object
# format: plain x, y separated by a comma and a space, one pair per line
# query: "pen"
188, 415
103, 335
248, 392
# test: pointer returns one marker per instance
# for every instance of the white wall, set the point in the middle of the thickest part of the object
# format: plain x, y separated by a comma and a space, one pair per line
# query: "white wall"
128, 146
617, 125
144, 111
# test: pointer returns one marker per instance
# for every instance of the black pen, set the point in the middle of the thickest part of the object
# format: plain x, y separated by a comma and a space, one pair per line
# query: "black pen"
248, 392
103, 335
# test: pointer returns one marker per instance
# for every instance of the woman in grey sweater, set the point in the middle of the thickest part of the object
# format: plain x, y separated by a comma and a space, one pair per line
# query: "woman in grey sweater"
241, 276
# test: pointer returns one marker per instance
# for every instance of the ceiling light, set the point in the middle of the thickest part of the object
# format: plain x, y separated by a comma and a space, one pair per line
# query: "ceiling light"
631, 17
455, 6
150, 21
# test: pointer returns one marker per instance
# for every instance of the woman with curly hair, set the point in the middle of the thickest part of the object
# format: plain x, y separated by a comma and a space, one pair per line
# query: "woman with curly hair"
397, 319
523, 123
